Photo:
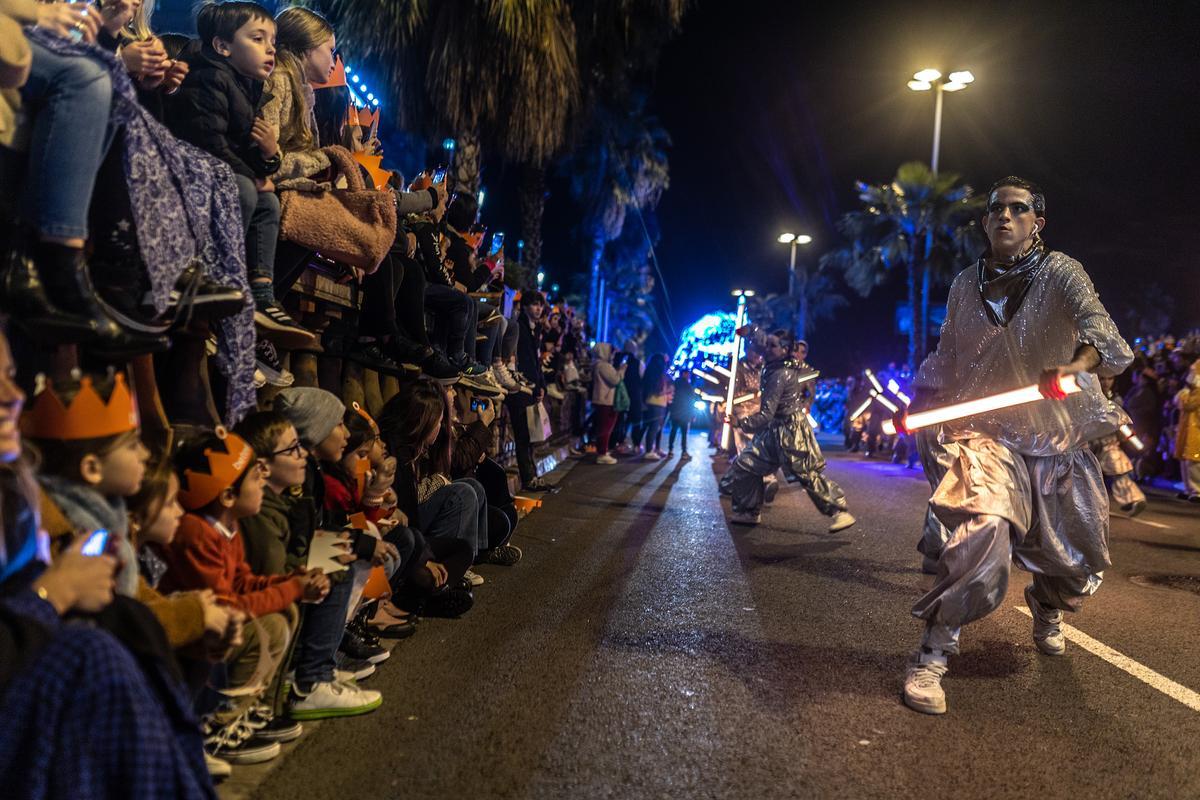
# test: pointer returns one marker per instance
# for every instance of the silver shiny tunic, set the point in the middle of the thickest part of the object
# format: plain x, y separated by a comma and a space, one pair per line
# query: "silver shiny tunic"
976, 358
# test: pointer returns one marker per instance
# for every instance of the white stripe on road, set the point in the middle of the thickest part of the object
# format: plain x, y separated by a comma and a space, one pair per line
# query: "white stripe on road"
1141, 521
1123, 662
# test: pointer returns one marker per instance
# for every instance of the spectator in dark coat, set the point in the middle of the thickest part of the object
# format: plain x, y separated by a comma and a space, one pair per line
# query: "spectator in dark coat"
529, 364
1144, 404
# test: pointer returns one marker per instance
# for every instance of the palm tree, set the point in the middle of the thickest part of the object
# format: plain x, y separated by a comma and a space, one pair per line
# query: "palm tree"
621, 167
921, 223
491, 73
779, 310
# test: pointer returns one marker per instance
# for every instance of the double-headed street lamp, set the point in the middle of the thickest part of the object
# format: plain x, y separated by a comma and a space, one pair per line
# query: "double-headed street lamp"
799, 303
928, 79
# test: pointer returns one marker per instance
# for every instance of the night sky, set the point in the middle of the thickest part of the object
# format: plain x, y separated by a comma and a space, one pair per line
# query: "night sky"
776, 108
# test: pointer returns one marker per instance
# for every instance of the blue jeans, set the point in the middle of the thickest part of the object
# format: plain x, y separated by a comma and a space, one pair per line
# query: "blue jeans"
454, 512
260, 215
69, 99
321, 630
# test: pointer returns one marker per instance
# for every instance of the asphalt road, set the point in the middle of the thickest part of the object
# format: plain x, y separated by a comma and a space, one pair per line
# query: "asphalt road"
644, 649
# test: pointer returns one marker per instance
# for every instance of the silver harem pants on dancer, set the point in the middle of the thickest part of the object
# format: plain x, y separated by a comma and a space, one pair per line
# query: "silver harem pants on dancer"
1047, 513
936, 459
788, 443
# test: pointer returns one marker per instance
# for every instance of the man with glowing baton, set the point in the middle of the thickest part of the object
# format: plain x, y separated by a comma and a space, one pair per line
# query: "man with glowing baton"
782, 438
1022, 483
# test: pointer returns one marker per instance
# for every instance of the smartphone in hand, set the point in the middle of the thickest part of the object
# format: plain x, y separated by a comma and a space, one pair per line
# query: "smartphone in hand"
96, 543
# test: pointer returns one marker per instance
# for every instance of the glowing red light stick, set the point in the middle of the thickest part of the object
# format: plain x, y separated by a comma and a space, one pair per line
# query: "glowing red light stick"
1016, 397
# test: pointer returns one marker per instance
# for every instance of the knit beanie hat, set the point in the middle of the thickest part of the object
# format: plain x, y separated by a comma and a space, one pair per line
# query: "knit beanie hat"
314, 412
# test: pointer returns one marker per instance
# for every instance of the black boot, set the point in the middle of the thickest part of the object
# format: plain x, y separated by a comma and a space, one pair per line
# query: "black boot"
23, 295
65, 273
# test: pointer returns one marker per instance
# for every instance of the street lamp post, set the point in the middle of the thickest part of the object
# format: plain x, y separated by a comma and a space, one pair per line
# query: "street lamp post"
928, 79
797, 281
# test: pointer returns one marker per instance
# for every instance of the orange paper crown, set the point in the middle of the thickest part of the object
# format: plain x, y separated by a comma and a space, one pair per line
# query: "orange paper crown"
474, 239
373, 166
87, 417
362, 412
336, 78
361, 117
198, 489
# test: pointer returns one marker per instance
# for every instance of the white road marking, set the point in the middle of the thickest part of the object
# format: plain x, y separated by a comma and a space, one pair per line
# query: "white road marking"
1141, 521
1123, 662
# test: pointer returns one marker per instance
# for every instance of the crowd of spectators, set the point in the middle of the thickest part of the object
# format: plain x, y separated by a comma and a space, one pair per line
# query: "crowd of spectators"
179, 597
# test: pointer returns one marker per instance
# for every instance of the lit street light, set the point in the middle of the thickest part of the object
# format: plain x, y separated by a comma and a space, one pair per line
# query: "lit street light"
799, 302
928, 79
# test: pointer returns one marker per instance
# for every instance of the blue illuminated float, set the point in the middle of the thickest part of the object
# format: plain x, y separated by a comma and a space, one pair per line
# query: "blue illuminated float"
709, 338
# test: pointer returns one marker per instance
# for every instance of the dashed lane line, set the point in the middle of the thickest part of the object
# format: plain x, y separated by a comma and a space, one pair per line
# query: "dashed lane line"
1170, 688
1141, 521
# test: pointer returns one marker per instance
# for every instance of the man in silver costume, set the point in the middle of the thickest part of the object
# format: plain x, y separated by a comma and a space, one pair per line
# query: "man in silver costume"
782, 438
1021, 483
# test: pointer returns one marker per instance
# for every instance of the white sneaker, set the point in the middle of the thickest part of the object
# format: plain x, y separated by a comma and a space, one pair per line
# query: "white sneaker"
605, 459
475, 578
923, 683
1047, 626
841, 521
490, 379
745, 518
335, 699
503, 377
651, 456
217, 767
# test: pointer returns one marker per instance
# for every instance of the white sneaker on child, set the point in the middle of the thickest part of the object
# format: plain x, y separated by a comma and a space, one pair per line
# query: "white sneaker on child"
475, 578
333, 699
605, 459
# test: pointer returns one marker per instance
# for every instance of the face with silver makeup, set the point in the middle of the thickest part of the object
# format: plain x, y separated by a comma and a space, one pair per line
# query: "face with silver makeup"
1013, 221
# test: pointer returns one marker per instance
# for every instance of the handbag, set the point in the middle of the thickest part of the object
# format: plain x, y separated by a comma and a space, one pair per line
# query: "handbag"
620, 398
354, 226
539, 423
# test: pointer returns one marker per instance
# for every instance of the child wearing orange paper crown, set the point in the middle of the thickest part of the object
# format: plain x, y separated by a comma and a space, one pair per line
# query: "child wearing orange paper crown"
92, 458
220, 483
278, 538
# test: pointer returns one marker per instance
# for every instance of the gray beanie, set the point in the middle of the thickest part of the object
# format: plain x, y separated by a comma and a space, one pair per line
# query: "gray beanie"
314, 412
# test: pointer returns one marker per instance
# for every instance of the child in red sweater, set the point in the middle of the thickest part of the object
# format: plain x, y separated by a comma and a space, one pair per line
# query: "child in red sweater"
221, 482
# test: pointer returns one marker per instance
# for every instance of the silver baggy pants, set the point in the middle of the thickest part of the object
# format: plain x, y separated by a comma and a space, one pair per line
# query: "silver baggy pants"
936, 459
1049, 514
790, 444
